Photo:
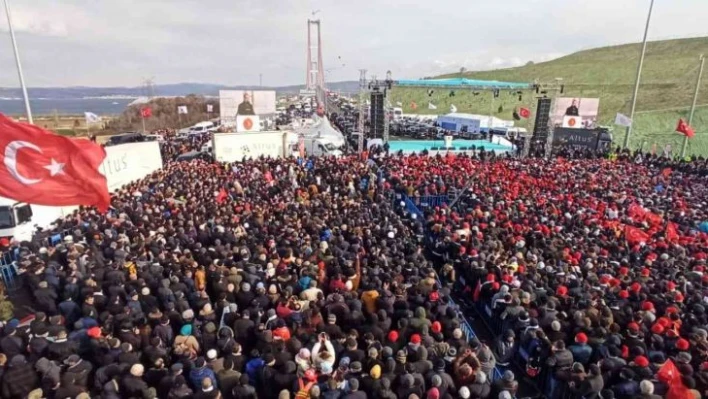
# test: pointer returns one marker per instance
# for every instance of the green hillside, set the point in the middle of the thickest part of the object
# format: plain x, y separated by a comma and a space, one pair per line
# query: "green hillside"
666, 92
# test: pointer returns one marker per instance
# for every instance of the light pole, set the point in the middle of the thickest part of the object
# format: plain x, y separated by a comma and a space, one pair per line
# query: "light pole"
639, 75
28, 110
693, 105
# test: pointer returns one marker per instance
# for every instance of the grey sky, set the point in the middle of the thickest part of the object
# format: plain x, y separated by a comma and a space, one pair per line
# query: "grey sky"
120, 42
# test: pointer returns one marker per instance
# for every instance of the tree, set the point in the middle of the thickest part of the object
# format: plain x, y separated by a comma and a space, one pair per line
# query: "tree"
463, 70
164, 114
529, 63
500, 110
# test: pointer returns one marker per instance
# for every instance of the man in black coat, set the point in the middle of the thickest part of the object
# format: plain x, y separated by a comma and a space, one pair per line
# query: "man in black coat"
79, 369
19, 379
11, 344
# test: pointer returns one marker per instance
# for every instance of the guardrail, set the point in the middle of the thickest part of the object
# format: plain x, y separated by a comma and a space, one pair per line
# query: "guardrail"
411, 208
544, 382
8, 260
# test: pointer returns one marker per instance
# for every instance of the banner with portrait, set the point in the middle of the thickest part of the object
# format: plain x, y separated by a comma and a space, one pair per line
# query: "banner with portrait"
235, 103
575, 112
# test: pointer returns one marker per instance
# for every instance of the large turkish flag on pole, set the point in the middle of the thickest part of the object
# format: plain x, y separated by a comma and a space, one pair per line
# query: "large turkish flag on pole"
40, 167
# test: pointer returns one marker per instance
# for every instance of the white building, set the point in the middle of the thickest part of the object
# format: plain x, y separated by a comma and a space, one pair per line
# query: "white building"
471, 123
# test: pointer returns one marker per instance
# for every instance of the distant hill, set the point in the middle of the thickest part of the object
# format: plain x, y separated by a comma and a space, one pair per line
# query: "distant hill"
178, 89
666, 92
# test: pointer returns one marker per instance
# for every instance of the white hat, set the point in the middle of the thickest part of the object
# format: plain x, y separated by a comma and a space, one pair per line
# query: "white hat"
68, 239
137, 370
464, 392
211, 354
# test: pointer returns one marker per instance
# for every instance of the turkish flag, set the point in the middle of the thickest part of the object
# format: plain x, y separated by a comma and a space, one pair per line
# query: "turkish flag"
524, 112
636, 212
221, 197
146, 112
685, 129
670, 375
40, 167
672, 234
635, 235
477, 291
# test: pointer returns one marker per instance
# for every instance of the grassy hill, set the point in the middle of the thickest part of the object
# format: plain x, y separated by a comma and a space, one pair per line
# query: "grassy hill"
665, 93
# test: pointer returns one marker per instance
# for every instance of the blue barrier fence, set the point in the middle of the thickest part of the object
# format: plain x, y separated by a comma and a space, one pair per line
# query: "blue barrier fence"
8, 260
494, 323
411, 206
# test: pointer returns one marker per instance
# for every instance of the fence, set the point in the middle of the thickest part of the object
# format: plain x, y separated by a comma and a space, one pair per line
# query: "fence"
411, 206
8, 260
495, 324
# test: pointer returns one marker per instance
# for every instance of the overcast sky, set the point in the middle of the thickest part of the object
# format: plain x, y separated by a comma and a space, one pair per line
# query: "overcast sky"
121, 42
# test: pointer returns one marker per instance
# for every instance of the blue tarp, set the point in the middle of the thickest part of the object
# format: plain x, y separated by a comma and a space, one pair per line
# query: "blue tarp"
456, 82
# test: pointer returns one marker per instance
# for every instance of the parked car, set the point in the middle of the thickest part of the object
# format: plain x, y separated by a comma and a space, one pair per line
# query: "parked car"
130, 137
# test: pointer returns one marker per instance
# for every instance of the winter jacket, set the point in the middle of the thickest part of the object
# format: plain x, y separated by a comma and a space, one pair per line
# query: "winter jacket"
19, 379
198, 374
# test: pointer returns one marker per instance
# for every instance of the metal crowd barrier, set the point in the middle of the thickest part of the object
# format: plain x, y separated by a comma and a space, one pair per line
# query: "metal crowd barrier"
8, 261
432, 201
8, 268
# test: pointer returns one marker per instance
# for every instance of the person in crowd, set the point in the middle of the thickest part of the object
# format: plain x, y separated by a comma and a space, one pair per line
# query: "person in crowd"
310, 279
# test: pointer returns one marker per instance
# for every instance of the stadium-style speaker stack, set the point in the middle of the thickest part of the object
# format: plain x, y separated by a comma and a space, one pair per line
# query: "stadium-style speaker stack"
540, 129
377, 114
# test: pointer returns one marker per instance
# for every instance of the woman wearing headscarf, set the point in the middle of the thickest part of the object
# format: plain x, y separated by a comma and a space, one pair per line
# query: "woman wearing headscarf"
186, 341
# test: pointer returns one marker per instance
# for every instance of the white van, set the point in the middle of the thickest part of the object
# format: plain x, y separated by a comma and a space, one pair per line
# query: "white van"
202, 127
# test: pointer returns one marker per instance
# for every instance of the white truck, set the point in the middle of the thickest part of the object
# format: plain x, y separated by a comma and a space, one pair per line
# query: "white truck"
321, 147
124, 163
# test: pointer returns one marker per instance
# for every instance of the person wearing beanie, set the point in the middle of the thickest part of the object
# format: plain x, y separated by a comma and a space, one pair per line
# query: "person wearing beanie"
646, 389
480, 388
133, 384
580, 349
433, 393
372, 382
187, 342
507, 383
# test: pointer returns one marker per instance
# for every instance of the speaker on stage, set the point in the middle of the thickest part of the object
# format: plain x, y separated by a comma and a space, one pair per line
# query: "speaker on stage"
378, 113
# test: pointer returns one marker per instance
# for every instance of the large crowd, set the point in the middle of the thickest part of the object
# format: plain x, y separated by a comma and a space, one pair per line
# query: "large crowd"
307, 279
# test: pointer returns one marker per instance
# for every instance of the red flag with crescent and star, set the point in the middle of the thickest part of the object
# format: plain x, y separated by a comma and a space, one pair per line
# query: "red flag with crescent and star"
43, 168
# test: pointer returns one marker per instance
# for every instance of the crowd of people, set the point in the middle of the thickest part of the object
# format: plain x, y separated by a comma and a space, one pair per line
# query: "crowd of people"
591, 272
304, 279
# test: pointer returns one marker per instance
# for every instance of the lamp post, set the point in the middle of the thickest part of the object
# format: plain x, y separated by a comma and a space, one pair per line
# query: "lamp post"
639, 75
28, 110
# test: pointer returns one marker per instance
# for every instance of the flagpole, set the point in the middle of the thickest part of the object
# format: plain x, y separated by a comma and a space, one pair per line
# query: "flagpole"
639, 75
143, 118
28, 110
693, 106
